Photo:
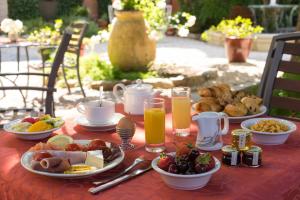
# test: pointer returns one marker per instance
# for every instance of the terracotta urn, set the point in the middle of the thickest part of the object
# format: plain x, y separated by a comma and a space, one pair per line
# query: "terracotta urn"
129, 46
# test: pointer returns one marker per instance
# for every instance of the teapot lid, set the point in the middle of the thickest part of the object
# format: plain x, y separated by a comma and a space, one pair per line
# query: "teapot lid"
139, 87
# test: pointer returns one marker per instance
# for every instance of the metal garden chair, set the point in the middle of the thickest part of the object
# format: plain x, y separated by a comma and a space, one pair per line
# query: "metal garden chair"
48, 102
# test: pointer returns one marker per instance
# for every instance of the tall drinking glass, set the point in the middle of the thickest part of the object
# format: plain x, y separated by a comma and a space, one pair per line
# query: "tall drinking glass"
181, 110
154, 121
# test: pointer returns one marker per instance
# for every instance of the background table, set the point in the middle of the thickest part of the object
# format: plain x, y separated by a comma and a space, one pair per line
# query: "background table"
278, 178
21, 43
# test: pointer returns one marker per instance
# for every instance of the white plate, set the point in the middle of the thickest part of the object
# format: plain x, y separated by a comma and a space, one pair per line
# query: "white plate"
82, 121
263, 110
27, 157
267, 138
185, 182
28, 135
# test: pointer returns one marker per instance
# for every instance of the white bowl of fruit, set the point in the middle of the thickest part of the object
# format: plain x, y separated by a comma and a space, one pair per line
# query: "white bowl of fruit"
189, 171
34, 128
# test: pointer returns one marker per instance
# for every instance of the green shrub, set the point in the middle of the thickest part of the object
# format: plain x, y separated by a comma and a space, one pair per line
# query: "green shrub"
38, 23
92, 27
31, 25
133, 75
23, 9
211, 12
238, 27
29, 9
103, 8
93, 67
65, 7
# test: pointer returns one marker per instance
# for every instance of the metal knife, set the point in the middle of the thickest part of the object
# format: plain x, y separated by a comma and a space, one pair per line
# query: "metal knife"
95, 190
135, 162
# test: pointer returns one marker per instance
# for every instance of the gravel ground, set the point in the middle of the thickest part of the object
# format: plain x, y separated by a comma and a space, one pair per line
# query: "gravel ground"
183, 53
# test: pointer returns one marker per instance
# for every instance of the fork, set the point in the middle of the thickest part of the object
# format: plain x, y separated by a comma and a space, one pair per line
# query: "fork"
135, 162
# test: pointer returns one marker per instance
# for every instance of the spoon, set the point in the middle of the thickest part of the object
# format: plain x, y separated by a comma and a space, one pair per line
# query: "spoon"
100, 95
135, 162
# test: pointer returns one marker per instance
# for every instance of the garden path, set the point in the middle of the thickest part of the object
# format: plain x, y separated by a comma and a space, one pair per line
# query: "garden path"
178, 55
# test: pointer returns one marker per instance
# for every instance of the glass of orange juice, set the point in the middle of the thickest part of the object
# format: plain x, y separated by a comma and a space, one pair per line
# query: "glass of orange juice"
154, 122
181, 110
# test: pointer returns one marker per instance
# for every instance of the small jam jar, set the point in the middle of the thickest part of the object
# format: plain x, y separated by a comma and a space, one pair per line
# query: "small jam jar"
231, 156
241, 139
252, 157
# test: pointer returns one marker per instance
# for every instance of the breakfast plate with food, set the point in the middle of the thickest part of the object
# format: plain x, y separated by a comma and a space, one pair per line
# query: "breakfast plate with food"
34, 128
269, 131
63, 157
237, 105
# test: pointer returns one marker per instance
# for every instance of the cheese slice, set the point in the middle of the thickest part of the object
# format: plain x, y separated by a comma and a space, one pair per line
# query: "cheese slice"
95, 159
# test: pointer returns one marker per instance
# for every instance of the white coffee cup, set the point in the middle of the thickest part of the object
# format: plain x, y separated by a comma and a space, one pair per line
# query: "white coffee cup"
95, 113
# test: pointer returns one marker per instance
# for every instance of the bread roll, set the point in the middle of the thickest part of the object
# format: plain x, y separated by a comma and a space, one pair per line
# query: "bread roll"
236, 110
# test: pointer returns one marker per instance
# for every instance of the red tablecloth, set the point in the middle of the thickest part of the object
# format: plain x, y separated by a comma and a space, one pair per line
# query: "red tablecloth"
278, 178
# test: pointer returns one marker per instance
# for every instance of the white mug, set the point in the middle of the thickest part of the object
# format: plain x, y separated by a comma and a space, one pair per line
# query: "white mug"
210, 132
95, 113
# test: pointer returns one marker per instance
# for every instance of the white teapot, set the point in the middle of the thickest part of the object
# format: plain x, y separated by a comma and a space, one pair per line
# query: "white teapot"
134, 96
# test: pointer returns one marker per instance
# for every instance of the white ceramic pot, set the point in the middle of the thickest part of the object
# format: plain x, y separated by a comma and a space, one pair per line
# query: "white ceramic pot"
134, 96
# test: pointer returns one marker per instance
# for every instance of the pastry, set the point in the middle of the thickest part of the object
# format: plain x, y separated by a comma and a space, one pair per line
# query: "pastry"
252, 104
237, 96
216, 91
235, 104
202, 107
236, 110
205, 92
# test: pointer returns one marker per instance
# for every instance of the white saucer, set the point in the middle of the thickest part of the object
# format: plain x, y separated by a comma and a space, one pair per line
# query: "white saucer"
82, 121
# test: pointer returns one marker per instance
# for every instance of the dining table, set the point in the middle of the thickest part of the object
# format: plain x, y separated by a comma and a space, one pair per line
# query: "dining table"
277, 178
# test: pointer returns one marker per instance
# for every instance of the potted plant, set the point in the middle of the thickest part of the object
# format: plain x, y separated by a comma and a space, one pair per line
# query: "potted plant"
12, 27
135, 30
239, 34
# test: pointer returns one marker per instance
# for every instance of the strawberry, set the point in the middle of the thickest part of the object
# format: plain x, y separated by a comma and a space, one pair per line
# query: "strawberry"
165, 161
30, 120
204, 163
183, 149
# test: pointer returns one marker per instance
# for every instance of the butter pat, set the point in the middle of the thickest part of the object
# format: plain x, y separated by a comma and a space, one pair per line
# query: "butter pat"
95, 159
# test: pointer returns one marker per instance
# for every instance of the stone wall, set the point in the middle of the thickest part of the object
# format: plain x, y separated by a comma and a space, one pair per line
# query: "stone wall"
3, 9
261, 43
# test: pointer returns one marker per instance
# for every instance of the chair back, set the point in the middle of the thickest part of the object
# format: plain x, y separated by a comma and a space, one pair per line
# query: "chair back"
275, 88
59, 57
49, 89
78, 28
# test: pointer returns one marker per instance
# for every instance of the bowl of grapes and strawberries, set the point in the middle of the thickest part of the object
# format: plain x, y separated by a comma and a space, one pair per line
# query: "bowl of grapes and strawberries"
186, 169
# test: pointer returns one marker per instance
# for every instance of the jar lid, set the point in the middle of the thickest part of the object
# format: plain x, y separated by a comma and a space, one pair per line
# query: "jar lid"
229, 149
139, 87
240, 132
254, 149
